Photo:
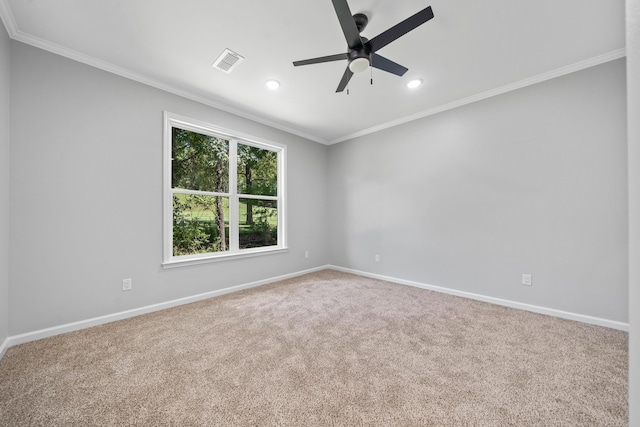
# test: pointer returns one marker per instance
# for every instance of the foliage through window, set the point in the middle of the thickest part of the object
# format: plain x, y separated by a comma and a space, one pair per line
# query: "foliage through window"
224, 193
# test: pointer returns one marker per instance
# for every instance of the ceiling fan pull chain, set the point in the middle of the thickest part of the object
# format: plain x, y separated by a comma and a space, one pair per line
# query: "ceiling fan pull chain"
371, 68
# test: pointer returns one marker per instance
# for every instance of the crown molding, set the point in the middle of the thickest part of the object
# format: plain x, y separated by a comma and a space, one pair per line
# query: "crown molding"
16, 34
572, 68
9, 21
6, 16
140, 78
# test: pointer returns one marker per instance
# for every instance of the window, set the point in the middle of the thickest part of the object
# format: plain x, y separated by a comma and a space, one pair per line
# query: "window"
224, 194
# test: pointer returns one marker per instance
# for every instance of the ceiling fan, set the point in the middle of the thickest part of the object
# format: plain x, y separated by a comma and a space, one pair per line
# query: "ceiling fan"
362, 52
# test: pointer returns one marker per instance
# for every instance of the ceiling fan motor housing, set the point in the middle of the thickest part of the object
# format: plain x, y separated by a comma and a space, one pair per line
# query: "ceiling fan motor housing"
361, 21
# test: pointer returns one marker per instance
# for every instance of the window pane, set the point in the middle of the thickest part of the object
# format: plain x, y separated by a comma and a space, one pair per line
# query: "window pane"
258, 223
199, 162
200, 224
257, 171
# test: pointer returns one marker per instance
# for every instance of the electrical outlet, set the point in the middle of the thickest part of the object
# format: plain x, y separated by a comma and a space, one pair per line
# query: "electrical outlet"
526, 279
377, 258
306, 254
126, 284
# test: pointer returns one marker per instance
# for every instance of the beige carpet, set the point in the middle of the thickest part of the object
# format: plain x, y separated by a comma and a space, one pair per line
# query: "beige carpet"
327, 349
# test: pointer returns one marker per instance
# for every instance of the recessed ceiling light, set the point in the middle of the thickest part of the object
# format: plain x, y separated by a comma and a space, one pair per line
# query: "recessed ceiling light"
273, 84
414, 83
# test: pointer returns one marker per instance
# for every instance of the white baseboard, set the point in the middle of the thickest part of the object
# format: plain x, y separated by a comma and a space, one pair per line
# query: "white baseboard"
4, 347
70, 327
498, 301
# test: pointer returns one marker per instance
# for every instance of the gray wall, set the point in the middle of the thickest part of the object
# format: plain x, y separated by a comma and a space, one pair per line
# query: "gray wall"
86, 191
5, 55
633, 82
533, 181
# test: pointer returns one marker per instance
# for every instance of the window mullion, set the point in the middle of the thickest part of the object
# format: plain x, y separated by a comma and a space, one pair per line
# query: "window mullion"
282, 239
197, 192
257, 197
234, 208
168, 195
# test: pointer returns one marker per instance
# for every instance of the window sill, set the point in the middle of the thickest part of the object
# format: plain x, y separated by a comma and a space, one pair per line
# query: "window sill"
208, 258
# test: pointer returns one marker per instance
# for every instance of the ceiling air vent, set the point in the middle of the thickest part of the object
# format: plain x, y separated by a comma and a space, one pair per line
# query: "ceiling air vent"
228, 61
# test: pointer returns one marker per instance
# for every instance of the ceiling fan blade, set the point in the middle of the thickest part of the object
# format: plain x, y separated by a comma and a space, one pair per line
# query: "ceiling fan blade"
399, 30
349, 27
345, 80
321, 59
384, 64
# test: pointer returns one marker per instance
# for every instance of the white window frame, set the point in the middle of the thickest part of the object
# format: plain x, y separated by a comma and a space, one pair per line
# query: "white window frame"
172, 120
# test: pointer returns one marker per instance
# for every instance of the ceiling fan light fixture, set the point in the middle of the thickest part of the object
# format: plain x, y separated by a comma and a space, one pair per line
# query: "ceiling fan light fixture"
359, 65
414, 83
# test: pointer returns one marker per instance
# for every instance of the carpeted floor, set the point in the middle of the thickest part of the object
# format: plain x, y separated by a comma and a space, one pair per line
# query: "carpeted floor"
328, 349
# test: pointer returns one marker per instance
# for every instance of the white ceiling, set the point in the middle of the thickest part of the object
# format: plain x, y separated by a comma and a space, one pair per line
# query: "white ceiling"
470, 50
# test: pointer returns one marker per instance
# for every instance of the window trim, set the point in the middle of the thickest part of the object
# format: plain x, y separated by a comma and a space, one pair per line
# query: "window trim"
169, 260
